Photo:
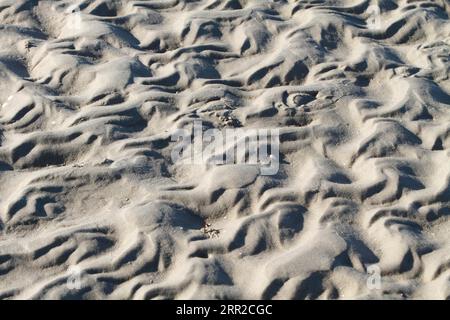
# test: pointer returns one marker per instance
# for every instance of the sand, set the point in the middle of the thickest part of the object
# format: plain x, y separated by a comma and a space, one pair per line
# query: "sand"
94, 206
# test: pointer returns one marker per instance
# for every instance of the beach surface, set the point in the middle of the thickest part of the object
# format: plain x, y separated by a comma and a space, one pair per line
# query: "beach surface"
95, 203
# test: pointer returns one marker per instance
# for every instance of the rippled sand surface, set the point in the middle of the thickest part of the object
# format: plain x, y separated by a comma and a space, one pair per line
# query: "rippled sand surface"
92, 205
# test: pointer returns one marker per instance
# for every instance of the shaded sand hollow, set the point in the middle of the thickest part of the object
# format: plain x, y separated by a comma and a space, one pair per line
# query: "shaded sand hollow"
93, 205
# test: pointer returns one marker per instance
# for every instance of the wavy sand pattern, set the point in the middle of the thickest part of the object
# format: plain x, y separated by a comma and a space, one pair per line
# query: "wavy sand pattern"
90, 101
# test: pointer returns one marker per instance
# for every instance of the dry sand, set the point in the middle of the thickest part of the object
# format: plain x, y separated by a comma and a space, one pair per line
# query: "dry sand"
92, 205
